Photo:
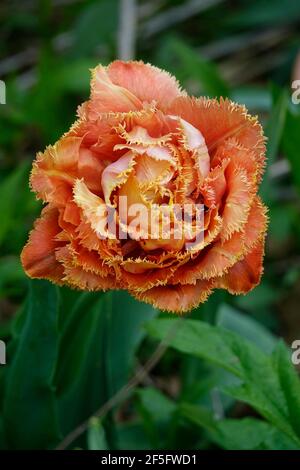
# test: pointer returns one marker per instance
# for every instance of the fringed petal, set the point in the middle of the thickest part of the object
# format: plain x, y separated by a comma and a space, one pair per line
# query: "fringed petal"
245, 274
178, 299
146, 82
38, 256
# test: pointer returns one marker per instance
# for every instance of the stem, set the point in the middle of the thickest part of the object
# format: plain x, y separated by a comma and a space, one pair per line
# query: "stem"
127, 29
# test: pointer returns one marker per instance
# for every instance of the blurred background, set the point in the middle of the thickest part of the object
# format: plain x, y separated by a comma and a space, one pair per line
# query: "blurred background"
243, 49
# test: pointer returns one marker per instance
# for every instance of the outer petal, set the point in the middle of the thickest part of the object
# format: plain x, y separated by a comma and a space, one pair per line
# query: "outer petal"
214, 186
54, 171
177, 298
79, 277
146, 82
108, 96
245, 274
38, 255
221, 120
237, 203
219, 257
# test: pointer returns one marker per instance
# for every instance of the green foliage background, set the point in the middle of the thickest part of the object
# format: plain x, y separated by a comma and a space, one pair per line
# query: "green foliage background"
226, 380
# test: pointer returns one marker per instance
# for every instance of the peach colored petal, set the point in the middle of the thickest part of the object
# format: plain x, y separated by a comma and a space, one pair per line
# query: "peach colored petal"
194, 141
178, 299
237, 202
239, 156
108, 96
245, 274
90, 168
77, 277
221, 120
93, 207
54, 170
38, 255
214, 186
71, 213
256, 226
116, 174
146, 82
149, 171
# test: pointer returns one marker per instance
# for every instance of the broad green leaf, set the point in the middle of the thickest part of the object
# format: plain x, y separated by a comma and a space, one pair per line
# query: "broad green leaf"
290, 383
260, 386
96, 436
237, 434
30, 415
75, 339
199, 415
9, 198
199, 339
236, 321
97, 349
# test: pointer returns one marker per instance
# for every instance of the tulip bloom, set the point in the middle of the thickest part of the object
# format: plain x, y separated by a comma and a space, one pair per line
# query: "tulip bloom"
141, 139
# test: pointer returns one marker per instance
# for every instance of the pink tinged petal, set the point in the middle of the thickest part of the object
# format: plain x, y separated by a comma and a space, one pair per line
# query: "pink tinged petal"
148, 170
214, 186
90, 168
195, 142
146, 82
54, 171
38, 256
237, 203
93, 207
116, 174
154, 151
221, 120
140, 135
107, 96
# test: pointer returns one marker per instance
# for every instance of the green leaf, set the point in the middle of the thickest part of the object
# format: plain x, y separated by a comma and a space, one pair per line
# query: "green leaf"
236, 321
75, 339
200, 339
260, 386
199, 415
97, 349
30, 415
96, 436
237, 434
9, 198
290, 383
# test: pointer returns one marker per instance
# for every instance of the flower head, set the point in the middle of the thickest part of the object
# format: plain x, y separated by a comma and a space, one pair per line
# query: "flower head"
151, 191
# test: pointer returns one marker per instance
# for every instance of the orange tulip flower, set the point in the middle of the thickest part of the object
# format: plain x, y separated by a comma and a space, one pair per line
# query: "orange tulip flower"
141, 143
